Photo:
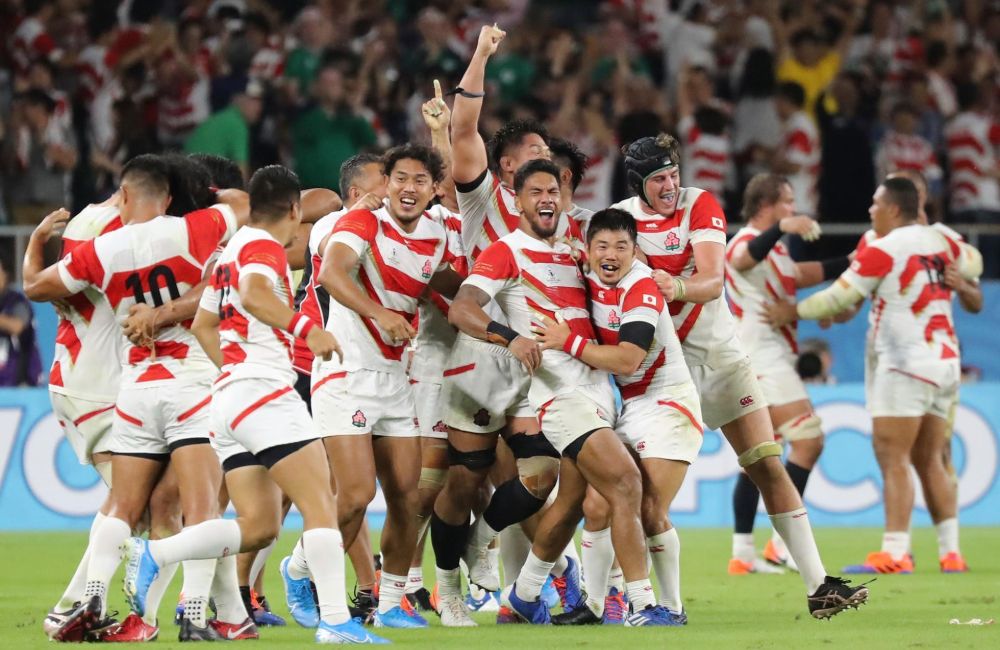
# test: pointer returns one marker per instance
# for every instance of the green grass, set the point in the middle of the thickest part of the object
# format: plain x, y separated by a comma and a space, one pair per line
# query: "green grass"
725, 612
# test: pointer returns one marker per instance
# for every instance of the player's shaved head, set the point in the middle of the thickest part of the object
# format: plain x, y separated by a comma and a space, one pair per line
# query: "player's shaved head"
354, 168
225, 173
148, 176
274, 190
902, 193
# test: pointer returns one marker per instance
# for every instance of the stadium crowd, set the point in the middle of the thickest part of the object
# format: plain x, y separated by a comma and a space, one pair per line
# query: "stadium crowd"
883, 84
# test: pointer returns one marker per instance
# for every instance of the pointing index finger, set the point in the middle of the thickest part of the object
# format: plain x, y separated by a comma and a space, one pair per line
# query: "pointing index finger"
437, 90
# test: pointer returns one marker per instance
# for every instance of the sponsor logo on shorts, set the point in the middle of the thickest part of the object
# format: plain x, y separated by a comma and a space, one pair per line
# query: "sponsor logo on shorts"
481, 418
425, 272
672, 242
359, 420
440, 427
614, 320
746, 401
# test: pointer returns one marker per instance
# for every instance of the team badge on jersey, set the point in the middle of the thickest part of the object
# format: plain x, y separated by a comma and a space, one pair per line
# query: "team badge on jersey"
481, 418
425, 272
359, 420
614, 320
440, 427
672, 241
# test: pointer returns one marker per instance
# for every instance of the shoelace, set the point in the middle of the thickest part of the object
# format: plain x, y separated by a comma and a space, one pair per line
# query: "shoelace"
456, 607
614, 607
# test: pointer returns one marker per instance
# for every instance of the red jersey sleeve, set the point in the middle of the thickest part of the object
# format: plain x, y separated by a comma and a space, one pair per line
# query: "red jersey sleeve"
707, 220
206, 228
82, 267
496, 263
263, 252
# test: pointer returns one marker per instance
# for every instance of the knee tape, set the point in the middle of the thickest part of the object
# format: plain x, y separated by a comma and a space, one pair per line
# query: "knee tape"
431, 478
473, 460
803, 427
759, 452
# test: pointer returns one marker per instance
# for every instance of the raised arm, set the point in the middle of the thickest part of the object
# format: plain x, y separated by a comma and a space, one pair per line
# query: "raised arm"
752, 252
468, 149
437, 117
43, 284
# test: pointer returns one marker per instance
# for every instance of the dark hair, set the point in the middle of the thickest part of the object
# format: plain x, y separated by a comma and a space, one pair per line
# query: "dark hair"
273, 191
902, 193
803, 36
903, 107
568, 155
758, 74
914, 176
537, 166
190, 184
792, 92
710, 120
258, 21
38, 97
225, 173
612, 219
149, 173
967, 95
763, 190
430, 158
937, 52
809, 365
352, 168
510, 135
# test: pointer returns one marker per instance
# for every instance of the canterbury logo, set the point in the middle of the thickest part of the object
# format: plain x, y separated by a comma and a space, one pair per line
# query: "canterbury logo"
659, 548
746, 401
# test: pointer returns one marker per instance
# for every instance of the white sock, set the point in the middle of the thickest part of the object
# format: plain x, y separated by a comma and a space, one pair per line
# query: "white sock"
494, 557
480, 537
415, 580
743, 548
226, 592
198, 576
105, 556
514, 549
324, 551
390, 591
640, 594
449, 582
560, 566
896, 544
616, 579
947, 534
77, 584
596, 557
532, 577
794, 528
778, 543
156, 591
298, 567
665, 549
208, 540
572, 552
258, 563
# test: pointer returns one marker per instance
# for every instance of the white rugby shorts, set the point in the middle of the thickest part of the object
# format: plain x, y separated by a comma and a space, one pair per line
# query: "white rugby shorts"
257, 414
728, 392
585, 409
362, 402
430, 413
154, 420
483, 385
779, 381
86, 424
664, 423
896, 393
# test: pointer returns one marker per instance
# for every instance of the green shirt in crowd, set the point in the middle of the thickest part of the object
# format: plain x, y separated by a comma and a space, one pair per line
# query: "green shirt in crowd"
224, 134
323, 142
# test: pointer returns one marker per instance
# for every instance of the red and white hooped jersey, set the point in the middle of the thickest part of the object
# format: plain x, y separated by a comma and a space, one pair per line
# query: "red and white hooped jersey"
250, 349
151, 263
900, 151
771, 280
637, 299
86, 363
974, 153
394, 269
912, 328
529, 278
706, 158
706, 331
801, 146
31, 42
435, 335
489, 213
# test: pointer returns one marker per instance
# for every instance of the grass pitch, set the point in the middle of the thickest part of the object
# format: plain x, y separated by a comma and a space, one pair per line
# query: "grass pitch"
725, 612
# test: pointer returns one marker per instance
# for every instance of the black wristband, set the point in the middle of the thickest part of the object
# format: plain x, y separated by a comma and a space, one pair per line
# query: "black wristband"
762, 244
500, 334
458, 90
834, 266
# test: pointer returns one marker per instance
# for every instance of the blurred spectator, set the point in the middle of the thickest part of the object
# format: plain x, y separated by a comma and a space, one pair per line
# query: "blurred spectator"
315, 32
903, 148
20, 363
182, 71
38, 159
815, 362
847, 170
31, 39
798, 156
330, 133
756, 129
227, 133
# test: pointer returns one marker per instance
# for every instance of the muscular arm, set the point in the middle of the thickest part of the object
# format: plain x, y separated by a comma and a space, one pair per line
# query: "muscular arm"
468, 149
467, 313
206, 329
808, 274
705, 285
296, 252
338, 262
830, 301
970, 296
43, 284
258, 298
622, 359
446, 282
319, 202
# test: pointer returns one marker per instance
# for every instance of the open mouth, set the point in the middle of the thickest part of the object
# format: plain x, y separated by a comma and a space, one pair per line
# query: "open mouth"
609, 267
668, 197
408, 201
